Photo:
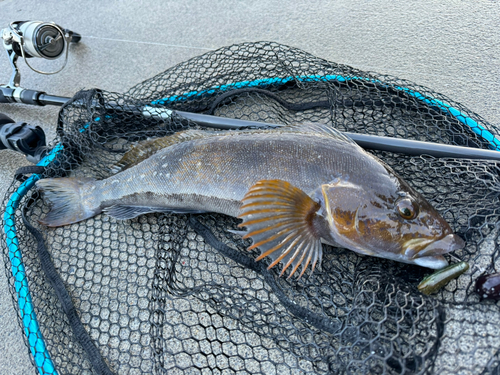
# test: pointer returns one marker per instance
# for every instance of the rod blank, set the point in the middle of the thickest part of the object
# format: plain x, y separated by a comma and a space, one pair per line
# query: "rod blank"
372, 142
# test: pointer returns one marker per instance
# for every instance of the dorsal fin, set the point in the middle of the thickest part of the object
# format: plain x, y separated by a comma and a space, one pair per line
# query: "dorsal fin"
319, 128
144, 149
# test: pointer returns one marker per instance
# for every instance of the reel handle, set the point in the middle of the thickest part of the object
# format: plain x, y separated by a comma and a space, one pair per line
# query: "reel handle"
22, 137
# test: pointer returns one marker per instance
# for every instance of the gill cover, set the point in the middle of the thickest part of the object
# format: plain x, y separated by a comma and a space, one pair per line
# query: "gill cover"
342, 202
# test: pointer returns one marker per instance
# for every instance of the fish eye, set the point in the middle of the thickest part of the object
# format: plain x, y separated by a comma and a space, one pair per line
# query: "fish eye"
407, 209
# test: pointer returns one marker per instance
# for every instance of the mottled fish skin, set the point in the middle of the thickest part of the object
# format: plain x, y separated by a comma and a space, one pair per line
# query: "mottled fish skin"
354, 199
215, 172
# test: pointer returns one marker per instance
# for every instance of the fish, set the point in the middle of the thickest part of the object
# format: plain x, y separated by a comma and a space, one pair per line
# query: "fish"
295, 188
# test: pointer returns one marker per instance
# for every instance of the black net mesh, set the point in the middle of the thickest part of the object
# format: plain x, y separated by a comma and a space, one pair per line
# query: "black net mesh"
178, 294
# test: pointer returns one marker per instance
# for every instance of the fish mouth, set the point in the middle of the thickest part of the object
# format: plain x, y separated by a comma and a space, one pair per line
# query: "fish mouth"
435, 262
428, 253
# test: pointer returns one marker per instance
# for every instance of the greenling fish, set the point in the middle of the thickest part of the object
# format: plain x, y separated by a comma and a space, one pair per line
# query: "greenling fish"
294, 187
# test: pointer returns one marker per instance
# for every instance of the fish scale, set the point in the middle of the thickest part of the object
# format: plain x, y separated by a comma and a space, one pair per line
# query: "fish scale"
227, 161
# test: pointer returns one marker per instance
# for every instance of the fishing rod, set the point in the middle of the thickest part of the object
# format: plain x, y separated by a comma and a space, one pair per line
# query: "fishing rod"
20, 135
49, 41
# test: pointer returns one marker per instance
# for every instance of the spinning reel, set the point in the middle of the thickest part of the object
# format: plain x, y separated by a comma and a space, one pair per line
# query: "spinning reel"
29, 39
36, 39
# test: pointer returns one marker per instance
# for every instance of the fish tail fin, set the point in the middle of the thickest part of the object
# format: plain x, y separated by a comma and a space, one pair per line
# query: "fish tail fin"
65, 198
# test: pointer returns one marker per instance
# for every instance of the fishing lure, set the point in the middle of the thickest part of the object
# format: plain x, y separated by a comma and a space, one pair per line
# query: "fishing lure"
440, 278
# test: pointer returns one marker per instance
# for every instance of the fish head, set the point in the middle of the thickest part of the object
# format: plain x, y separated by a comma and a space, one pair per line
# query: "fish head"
390, 220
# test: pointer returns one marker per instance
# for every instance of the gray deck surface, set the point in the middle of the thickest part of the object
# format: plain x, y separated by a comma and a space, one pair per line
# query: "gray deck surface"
452, 47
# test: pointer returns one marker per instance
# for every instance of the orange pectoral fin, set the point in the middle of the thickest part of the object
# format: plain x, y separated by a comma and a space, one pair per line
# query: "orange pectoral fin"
280, 219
